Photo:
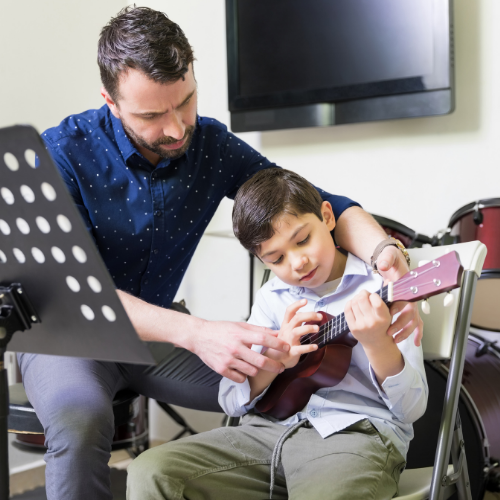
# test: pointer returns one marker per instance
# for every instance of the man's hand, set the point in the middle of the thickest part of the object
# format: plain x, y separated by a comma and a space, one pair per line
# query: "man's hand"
392, 266
226, 348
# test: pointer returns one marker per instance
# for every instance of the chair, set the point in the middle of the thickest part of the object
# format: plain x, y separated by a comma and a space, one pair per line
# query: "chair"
445, 337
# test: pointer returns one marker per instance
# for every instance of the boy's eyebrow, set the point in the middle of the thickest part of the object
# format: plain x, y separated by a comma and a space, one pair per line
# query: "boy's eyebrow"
297, 231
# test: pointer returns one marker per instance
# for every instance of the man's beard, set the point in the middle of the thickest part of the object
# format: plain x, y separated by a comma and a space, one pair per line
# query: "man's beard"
156, 148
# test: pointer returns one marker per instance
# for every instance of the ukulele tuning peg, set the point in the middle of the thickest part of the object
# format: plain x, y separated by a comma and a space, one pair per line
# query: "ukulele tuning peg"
426, 307
448, 299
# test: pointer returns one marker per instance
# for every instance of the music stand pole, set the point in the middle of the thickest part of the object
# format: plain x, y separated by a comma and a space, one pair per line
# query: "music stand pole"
4, 440
16, 314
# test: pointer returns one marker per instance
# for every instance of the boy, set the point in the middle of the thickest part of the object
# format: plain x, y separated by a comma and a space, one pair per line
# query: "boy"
350, 440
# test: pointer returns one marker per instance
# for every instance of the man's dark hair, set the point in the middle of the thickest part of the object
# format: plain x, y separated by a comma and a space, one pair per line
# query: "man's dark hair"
266, 196
144, 39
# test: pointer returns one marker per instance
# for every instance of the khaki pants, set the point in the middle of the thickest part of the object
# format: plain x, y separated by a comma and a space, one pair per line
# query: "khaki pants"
233, 463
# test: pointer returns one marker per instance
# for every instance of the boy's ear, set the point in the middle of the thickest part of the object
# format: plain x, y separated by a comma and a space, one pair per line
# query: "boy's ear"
328, 217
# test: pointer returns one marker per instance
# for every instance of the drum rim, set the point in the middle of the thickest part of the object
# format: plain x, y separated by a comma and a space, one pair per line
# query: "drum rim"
440, 366
485, 275
486, 203
401, 228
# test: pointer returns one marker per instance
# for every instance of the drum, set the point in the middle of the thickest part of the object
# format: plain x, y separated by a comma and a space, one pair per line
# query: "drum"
407, 236
479, 407
481, 221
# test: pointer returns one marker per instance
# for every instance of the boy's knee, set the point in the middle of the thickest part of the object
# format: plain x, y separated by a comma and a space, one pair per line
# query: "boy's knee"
153, 475
152, 463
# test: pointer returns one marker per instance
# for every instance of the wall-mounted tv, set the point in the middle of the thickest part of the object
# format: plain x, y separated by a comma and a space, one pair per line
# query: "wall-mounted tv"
304, 63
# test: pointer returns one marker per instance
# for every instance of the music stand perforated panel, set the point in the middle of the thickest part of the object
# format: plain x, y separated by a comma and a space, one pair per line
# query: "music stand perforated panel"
45, 246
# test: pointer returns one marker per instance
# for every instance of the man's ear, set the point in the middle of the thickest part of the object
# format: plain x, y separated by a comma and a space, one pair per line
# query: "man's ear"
328, 217
111, 104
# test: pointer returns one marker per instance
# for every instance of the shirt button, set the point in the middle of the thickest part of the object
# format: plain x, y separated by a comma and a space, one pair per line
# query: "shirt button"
157, 213
155, 250
313, 413
321, 303
146, 282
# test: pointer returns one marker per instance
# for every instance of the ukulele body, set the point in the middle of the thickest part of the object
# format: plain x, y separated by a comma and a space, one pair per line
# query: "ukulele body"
325, 367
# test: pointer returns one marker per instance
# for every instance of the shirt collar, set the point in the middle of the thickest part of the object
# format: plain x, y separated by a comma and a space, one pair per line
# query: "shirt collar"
353, 266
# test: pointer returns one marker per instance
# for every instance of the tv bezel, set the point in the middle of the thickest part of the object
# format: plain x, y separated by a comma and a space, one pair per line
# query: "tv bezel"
339, 105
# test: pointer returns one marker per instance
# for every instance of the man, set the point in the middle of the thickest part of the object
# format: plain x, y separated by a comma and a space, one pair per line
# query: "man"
147, 175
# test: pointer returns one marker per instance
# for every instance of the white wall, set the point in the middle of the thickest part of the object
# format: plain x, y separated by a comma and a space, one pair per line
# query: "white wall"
48, 59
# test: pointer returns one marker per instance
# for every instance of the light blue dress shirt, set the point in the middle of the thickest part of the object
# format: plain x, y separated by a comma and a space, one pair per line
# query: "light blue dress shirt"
392, 408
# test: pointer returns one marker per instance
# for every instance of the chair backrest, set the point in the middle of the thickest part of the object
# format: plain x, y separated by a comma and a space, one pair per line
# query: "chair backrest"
439, 326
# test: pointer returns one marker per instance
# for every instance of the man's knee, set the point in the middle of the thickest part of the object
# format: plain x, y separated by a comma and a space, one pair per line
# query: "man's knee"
78, 423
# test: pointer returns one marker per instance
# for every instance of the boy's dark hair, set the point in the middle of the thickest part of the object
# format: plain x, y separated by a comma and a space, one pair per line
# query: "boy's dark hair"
146, 40
266, 196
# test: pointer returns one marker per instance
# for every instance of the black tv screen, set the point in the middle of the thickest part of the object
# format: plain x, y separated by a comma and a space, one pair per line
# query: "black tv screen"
295, 63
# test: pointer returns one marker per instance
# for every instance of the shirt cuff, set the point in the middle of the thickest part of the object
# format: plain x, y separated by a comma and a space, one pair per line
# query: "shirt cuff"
395, 385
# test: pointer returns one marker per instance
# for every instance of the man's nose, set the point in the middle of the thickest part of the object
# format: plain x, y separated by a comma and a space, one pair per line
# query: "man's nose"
174, 127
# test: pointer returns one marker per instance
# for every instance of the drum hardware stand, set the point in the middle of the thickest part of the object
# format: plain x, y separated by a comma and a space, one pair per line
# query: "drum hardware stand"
16, 315
492, 476
186, 428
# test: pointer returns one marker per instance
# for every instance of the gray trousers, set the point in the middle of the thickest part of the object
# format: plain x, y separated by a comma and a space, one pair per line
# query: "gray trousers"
73, 400
234, 463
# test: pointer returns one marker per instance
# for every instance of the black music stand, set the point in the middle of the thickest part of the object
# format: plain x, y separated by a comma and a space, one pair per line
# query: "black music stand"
54, 287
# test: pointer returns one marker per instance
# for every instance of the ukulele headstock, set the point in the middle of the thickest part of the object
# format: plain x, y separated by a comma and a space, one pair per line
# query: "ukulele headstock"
440, 275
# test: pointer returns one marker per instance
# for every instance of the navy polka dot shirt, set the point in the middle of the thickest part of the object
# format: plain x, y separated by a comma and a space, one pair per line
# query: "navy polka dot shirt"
147, 221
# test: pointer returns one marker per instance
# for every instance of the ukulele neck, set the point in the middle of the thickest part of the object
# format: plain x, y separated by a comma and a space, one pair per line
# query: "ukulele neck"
337, 327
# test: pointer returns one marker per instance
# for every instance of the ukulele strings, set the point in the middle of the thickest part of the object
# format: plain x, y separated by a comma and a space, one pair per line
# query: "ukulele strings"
331, 328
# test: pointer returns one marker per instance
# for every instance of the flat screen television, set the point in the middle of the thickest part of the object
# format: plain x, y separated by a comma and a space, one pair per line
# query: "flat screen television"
303, 63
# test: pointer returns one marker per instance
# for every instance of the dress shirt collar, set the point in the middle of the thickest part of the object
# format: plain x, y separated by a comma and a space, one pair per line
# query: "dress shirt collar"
353, 267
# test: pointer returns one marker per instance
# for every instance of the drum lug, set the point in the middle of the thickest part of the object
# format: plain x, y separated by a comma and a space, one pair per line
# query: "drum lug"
477, 217
483, 347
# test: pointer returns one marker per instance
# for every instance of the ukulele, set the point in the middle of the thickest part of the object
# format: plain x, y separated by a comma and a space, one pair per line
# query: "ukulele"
328, 365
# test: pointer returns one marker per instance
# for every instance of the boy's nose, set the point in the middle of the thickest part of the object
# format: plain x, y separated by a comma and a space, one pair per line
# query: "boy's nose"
299, 262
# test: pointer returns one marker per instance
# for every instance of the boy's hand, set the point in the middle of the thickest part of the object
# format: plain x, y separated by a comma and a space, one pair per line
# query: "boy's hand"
368, 319
292, 330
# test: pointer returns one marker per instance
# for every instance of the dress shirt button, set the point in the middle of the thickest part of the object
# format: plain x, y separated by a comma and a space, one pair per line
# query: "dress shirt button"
157, 213
313, 413
155, 251
321, 303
